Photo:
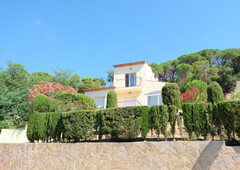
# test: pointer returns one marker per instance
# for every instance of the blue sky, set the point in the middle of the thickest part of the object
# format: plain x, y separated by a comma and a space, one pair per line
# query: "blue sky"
90, 36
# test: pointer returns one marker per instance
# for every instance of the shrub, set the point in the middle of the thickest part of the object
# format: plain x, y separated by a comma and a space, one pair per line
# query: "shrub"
172, 110
163, 119
195, 119
123, 122
145, 120
69, 101
79, 124
44, 126
230, 112
187, 117
49, 89
158, 117
198, 84
214, 93
37, 127
171, 94
154, 120
194, 95
112, 99
42, 103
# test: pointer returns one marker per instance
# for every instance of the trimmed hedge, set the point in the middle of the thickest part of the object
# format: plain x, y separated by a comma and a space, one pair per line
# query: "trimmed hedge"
124, 122
214, 93
158, 117
79, 124
42, 103
172, 110
112, 99
230, 116
44, 126
195, 119
171, 94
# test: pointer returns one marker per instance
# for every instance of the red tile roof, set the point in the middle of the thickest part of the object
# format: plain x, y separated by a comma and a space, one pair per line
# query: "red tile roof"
129, 64
100, 88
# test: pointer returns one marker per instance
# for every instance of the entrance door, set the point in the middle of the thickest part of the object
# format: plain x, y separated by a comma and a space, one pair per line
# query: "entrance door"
130, 101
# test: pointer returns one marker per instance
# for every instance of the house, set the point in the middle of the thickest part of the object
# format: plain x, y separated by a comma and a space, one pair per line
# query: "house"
135, 85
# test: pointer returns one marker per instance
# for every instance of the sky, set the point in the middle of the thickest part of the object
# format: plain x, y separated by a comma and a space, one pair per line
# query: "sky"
89, 37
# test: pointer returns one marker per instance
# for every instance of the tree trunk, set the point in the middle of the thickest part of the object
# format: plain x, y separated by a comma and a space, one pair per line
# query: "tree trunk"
158, 137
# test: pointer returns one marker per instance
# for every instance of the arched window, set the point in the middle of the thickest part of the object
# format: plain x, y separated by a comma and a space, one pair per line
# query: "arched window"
154, 98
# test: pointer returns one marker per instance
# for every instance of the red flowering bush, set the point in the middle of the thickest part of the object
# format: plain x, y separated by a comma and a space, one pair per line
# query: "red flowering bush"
194, 95
49, 89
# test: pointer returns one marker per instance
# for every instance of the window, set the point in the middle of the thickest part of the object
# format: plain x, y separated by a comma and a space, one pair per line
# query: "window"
130, 79
154, 98
100, 102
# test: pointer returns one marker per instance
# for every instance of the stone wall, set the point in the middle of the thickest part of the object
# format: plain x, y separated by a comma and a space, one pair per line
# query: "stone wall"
135, 155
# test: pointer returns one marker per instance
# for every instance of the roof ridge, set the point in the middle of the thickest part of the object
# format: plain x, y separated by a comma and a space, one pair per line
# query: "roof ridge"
127, 64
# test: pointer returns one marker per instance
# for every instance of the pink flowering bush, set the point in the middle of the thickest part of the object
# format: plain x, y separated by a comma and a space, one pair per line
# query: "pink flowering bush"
49, 89
194, 95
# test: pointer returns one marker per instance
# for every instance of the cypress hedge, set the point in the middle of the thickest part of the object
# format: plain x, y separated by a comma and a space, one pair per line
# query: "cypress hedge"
124, 122
195, 119
214, 93
44, 126
158, 119
187, 117
171, 94
112, 99
79, 124
230, 112
172, 110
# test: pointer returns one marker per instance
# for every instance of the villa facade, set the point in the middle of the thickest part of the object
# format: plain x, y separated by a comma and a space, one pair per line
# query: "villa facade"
135, 85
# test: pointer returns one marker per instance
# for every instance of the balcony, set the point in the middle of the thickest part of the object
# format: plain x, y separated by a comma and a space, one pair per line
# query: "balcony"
128, 85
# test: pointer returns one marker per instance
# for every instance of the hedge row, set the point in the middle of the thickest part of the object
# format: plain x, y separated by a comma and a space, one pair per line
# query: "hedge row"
119, 123
130, 122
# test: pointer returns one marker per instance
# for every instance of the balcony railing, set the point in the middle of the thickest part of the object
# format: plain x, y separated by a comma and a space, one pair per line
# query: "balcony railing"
129, 103
131, 82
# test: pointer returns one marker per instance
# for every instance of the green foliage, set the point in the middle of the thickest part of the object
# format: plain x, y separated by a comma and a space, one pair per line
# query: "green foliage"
198, 84
226, 79
86, 101
79, 124
88, 83
44, 126
187, 117
172, 110
203, 72
36, 77
171, 94
163, 119
14, 87
110, 77
158, 118
230, 112
112, 99
145, 120
236, 95
37, 127
190, 58
123, 122
154, 119
42, 103
195, 119
214, 93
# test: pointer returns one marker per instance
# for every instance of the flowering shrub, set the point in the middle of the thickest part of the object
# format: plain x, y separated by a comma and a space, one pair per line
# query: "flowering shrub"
49, 89
194, 95
70, 106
